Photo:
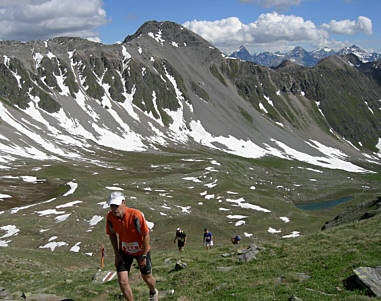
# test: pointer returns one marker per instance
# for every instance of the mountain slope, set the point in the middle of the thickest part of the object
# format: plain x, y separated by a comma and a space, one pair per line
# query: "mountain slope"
165, 86
312, 267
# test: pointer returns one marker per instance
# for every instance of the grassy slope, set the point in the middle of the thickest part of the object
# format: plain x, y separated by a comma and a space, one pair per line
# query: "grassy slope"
328, 257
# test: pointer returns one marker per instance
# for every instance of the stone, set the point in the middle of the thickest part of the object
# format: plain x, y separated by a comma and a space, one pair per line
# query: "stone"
370, 278
180, 265
303, 276
167, 293
224, 269
46, 297
365, 278
248, 254
222, 285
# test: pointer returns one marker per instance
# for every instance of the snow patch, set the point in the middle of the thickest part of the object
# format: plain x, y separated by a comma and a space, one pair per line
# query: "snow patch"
292, 235
73, 187
70, 204
75, 248
273, 231
241, 203
239, 223
54, 244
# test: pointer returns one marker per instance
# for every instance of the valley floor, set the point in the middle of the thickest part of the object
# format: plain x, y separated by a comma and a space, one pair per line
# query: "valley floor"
52, 226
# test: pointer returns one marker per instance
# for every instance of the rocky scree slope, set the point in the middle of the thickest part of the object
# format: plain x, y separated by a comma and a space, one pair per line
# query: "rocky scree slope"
165, 86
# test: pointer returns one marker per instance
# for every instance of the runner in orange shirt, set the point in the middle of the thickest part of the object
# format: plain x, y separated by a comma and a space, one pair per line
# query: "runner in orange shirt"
129, 236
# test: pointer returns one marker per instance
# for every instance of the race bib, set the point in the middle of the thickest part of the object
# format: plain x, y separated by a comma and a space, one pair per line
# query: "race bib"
130, 247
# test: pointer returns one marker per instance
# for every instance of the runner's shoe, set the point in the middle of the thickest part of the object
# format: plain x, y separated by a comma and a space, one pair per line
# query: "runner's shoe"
154, 296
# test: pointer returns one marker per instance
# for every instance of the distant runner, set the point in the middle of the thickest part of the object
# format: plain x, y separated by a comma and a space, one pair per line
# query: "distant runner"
207, 239
129, 236
236, 239
181, 238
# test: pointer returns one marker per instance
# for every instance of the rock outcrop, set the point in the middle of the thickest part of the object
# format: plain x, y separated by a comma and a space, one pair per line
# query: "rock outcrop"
356, 213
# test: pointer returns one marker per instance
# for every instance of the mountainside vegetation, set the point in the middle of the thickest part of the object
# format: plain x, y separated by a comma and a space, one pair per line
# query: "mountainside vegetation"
312, 267
193, 139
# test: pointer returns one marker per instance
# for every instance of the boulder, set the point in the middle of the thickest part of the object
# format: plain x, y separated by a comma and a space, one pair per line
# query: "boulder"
248, 254
365, 278
370, 278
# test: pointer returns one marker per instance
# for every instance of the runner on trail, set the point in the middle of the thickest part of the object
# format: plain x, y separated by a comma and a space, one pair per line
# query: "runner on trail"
129, 236
207, 239
181, 238
236, 239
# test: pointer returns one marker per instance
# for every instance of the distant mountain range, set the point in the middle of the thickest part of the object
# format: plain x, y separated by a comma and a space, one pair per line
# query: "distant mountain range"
302, 57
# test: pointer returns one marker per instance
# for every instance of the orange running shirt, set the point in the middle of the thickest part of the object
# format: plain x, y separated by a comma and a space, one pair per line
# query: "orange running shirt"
130, 230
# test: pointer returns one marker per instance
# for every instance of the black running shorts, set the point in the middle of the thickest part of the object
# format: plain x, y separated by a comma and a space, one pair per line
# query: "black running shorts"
127, 262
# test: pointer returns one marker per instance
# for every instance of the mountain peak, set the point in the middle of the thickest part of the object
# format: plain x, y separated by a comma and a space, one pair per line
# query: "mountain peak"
352, 49
168, 31
243, 48
242, 53
334, 62
298, 51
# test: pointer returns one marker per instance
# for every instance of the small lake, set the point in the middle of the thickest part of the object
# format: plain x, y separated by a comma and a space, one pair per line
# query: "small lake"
323, 205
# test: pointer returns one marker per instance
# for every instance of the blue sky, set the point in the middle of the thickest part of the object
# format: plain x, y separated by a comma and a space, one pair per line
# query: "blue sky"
257, 24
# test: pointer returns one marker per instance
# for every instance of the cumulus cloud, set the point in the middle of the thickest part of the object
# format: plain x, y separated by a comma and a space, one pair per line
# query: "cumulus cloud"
44, 19
350, 27
270, 28
277, 4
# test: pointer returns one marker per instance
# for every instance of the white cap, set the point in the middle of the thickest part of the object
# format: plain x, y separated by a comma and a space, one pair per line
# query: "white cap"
178, 229
116, 198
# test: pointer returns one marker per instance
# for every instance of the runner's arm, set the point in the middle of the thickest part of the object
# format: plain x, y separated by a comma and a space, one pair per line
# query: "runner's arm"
113, 237
146, 243
114, 243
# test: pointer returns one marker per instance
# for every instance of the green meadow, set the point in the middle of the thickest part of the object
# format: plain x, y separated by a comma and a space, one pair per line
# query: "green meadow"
192, 190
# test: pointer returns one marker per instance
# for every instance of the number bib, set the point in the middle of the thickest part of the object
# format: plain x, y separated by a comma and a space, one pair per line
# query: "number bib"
130, 247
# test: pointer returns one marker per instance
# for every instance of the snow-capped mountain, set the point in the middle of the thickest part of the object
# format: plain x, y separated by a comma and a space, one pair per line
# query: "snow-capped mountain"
302, 57
166, 87
321, 53
363, 55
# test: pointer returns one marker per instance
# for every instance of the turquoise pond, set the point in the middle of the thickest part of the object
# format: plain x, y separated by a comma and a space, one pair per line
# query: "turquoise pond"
323, 205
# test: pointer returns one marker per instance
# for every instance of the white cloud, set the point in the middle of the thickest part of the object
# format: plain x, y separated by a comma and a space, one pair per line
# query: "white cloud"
44, 19
278, 4
350, 27
270, 28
